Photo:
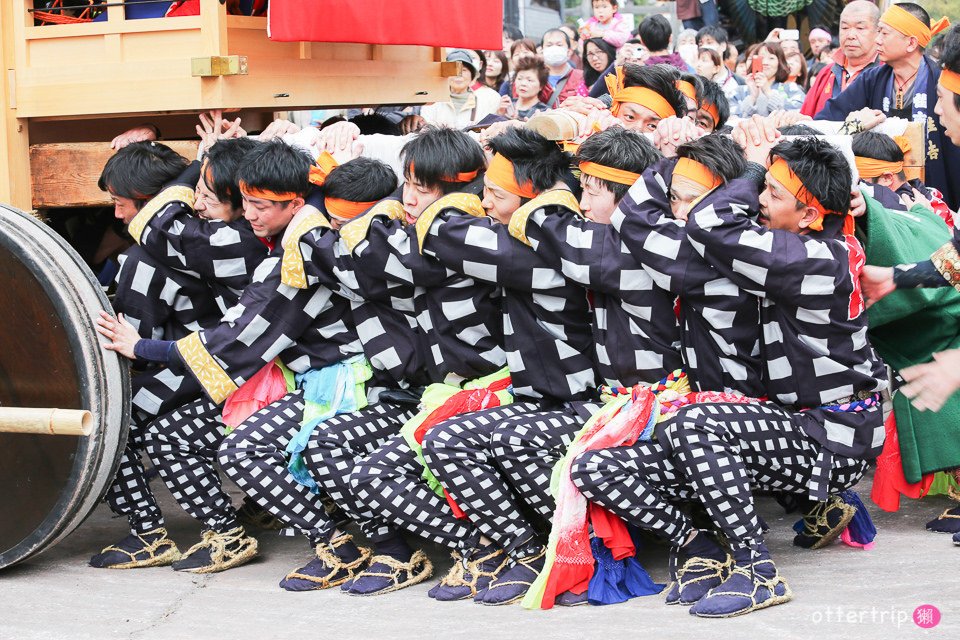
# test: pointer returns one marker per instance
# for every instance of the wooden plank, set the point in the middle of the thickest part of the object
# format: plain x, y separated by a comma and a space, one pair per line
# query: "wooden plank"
913, 163
14, 157
66, 174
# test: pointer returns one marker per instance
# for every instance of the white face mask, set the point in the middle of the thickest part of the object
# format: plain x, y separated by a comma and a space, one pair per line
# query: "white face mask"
555, 55
688, 52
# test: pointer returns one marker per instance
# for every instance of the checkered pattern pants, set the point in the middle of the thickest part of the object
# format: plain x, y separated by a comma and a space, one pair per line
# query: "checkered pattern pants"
339, 443
459, 453
183, 445
528, 447
716, 453
254, 456
389, 487
156, 392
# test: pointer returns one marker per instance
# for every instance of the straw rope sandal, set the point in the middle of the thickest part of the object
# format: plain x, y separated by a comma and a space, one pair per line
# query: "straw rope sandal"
328, 569
514, 584
218, 551
696, 578
151, 549
946, 522
824, 523
395, 573
744, 591
470, 576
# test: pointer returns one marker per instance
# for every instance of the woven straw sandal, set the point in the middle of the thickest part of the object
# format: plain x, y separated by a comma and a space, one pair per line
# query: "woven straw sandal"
527, 568
818, 532
765, 592
695, 579
157, 553
336, 570
417, 569
470, 576
946, 522
226, 550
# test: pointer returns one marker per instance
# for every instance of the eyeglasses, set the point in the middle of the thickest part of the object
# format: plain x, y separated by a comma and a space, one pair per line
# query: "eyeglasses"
596, 54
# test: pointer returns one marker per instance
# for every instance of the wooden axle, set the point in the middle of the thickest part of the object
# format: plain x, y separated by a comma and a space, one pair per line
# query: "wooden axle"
58, 422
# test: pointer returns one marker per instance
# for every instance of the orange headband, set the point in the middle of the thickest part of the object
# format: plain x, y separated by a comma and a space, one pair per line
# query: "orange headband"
950, 80
783, 174
463, 176
687, 89
501, 174
693, 170
346, 209
713, 111
265, 194
640, 95
207, 172
612, 174
911, 26
319, 172
873, 168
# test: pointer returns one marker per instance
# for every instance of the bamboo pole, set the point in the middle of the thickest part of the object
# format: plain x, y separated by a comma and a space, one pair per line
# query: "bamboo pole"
58, 422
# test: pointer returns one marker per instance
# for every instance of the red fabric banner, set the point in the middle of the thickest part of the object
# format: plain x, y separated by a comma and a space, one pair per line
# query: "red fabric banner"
469, 24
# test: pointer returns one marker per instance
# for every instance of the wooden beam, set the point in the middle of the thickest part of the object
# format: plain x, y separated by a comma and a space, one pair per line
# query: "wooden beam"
66, 174
15, 170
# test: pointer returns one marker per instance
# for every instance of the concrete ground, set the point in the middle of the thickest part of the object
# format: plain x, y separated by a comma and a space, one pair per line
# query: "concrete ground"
839, 592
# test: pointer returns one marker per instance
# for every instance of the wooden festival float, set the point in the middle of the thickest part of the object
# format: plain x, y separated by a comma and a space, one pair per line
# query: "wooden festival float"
67, 88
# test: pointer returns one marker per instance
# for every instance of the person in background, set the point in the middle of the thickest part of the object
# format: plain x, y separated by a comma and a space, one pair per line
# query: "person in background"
798, 70
710, 66
687, 46
633, 51
857, 52
466, 105
656, 34
519, 49
511, 33
495, 69
769, 89
819, 39
575, 60
599, 58
607, 23
696, 14
531, 77
563, 79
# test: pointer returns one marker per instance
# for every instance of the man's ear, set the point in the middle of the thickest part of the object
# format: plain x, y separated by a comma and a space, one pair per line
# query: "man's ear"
885, 179
810, 215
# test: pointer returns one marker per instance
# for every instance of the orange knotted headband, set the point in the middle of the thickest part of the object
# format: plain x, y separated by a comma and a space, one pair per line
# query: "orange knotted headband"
346, 209
640, 95
911, 26
501, 173
320, 171
266, 194
687, 89
699, 173
463, 176
783, 174
611, 174
713, 111
950, 80
874, 168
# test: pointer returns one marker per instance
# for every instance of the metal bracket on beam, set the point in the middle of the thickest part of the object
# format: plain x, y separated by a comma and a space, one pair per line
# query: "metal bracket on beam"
214, 66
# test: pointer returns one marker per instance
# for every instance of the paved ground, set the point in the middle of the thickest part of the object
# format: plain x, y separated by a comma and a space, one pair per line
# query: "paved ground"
839, 592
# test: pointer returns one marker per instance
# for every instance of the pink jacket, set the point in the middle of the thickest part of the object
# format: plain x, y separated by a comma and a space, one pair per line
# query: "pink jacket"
616, 32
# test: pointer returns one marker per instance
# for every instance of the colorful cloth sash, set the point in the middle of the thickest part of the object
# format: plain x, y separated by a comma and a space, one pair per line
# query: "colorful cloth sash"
338, 388
265, 387
442, 401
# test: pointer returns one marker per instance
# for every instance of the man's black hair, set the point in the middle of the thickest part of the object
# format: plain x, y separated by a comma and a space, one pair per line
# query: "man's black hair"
621, 149
655, 32
798, 130
821, 167
879, 146
718, 153
276, 166
535, 159
140, 170
512, 31
360, 180
716, 32
661, 78
224, 159
950, 56
376, 123
439, 152
549, 31
712, 93
916, 11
